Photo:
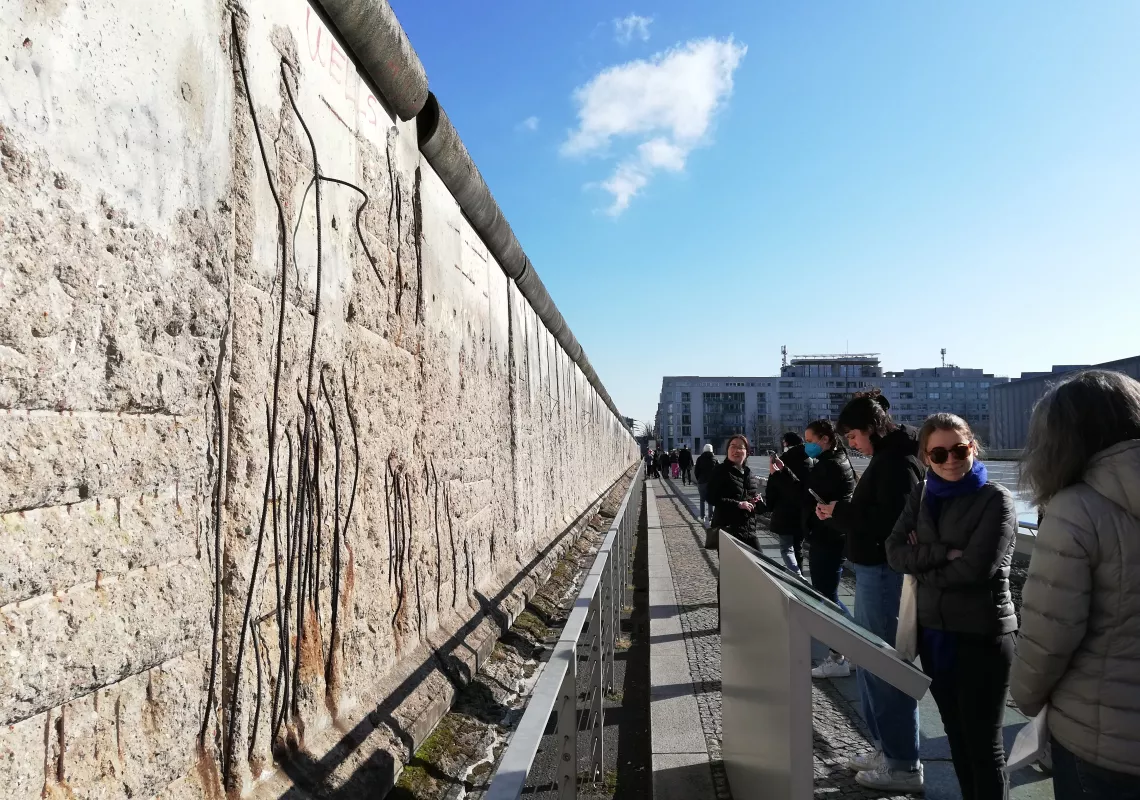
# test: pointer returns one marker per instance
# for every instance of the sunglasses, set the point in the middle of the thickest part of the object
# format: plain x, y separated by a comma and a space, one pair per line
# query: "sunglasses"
940, 455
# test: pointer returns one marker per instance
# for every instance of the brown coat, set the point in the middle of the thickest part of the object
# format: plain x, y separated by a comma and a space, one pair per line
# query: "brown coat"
1079, 648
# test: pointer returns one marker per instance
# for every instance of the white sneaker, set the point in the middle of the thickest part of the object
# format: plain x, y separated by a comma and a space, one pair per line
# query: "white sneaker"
833, 668
866, 762
886, 779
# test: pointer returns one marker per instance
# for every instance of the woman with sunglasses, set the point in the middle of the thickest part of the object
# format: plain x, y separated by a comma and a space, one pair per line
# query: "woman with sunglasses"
1079, 650
956, 536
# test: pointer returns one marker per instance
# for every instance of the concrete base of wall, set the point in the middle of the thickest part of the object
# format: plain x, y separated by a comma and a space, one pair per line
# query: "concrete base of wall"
365, 760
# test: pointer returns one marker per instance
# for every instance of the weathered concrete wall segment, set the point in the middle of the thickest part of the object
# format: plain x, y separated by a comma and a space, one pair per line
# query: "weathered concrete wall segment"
415, 455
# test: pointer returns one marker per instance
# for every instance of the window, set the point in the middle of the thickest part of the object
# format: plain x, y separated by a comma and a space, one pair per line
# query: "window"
959, 384
684, 397
984, 385
947, 384
932, 396
920, 385
686, 430
686, 419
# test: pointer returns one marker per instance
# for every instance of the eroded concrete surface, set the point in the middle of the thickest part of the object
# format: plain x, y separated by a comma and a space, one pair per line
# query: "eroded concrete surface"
256, 524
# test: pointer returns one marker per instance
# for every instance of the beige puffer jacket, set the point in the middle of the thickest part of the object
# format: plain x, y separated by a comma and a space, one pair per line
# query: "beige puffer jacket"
1079, 648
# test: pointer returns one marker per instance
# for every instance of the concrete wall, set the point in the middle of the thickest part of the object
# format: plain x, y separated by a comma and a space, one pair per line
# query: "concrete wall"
156, 492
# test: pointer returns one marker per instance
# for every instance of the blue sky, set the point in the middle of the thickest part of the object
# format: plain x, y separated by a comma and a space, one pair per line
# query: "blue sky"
699, 184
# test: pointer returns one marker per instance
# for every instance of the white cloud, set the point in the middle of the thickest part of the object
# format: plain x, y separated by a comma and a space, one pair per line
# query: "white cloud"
529, 124
626, 29
665, 105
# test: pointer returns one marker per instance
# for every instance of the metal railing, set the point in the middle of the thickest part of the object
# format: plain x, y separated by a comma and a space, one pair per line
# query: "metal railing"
593, 624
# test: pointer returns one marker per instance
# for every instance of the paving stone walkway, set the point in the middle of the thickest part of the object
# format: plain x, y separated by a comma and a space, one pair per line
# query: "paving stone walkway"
839, 731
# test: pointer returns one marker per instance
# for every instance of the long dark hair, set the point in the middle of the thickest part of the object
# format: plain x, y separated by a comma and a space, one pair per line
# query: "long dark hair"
1075, 420
791, 439
867, 411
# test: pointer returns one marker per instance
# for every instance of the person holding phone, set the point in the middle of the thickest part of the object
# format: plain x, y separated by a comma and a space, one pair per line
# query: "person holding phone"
735, 498
733, 494
831, 479
786, 496
868, 517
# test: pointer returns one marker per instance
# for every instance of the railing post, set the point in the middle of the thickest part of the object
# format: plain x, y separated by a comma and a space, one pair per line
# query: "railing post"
567, 726
594, 688
612, 614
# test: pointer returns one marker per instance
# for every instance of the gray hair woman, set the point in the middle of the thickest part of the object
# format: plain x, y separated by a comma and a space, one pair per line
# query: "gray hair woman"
1079, 650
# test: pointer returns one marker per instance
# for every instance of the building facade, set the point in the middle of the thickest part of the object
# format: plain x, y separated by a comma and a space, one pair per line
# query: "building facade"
695, 410
915, 394
1013, 402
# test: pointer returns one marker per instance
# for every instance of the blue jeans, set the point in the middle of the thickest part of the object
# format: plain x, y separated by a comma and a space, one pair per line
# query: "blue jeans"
891, 715
1077, 779
703, 491
790, 547
826, 560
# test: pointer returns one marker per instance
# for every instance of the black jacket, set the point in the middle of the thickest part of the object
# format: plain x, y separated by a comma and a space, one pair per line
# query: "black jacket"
706, 465
869, 517
686, 458
969, 594
786, 494
833, 479
729, 485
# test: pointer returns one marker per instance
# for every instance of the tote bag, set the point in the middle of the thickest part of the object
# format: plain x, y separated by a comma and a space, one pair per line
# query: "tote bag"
906, 635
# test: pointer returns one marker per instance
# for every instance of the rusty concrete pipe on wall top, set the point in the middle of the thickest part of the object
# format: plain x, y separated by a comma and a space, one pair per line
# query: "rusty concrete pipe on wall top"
444, 150
383, 50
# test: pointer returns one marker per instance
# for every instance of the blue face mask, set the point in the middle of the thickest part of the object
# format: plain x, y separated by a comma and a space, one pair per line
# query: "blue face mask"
812, 449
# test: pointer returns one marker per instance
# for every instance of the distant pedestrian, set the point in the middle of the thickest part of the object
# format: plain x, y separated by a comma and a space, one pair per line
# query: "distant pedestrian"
686, 459
786, 496
1079, 650
832, 479
956, 536
706, 465
868, 518
660, 463
674, 465
649, 469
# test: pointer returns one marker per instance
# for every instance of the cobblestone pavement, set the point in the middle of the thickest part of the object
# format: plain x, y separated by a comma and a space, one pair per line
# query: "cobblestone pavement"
838, 729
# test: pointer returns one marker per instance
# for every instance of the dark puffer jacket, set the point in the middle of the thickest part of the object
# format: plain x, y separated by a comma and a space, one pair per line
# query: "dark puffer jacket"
730, 485
706, 465
869, 517
786, 493
833, 479
969, 594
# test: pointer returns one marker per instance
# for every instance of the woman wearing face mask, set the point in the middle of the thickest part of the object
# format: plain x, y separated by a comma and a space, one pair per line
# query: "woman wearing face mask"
956, 536
786, 495
831, 479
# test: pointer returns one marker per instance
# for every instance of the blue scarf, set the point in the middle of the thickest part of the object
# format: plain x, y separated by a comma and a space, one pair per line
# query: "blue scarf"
939, 489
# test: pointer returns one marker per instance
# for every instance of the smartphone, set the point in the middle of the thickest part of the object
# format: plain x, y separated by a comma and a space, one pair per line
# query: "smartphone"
818, 499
